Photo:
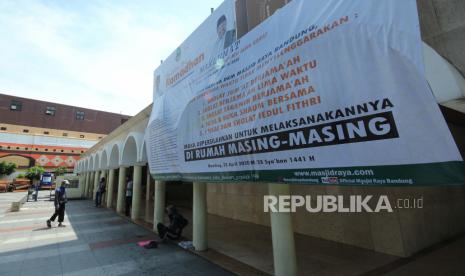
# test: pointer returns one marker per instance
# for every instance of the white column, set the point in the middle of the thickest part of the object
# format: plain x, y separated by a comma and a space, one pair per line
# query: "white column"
136, 192
84, 182
121, 190
147, 194
83, 187
87, 184
159, 204
111, 180
104, 174
91, 184
96, 179
200, 216
285, 262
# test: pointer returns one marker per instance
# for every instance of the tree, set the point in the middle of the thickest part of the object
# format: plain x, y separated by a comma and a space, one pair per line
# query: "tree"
34, 173
60, 171
7, 168
20, 176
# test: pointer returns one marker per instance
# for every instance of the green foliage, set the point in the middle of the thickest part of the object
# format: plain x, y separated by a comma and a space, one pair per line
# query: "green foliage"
60, 171
21, 175
34, 173
7, 168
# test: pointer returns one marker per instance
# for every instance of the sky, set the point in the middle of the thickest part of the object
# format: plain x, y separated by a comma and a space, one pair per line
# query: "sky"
97, 54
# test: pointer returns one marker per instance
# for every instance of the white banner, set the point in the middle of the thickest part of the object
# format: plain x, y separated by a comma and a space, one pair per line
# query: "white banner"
321, 92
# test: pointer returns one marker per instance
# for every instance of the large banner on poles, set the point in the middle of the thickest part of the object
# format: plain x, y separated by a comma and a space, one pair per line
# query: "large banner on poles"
322, 92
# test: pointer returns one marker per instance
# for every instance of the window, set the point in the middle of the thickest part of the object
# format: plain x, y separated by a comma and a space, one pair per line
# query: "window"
65, 134
81, 136
123, 120
16, 105
100, 137
26, 130
54, 150
46, 149
50, 110
17, 148
79, 115
62, 150
2, 128
46, 132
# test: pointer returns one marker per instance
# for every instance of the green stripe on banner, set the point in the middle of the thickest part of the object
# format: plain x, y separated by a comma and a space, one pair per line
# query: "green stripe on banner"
443, 173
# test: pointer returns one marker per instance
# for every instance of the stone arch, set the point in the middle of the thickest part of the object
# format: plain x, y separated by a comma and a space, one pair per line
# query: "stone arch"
91, 163
114, 156
445, 80
143, 153
131, 149
103, 160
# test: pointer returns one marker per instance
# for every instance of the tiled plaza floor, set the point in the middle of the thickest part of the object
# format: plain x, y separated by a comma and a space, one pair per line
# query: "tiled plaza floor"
95, 241
6, 199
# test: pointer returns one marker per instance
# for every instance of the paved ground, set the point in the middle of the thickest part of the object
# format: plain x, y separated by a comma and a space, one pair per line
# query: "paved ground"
94, 242
97, 241
6, 199
252, 245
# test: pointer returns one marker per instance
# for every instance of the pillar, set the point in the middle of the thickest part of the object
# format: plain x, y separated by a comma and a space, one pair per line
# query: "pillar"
84, 181
91, 184
86, 184
284, 256
96, 179
147, 194
104, 174
136, 192
159, 204
111, 180
199, 216
121, 190
86, 192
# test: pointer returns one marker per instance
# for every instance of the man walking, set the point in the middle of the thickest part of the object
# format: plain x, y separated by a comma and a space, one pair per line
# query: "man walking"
36, 189
60, 201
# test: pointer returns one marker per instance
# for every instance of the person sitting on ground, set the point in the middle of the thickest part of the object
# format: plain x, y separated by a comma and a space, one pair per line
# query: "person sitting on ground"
174, 230
60, 201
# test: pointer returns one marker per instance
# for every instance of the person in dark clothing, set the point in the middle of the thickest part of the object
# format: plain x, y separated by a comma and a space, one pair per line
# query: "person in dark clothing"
100, 191
174, 230
60, 202
36, 189
129, 185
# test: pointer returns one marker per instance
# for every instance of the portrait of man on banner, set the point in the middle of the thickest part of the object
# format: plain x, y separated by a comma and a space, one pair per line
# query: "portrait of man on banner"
225, 37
